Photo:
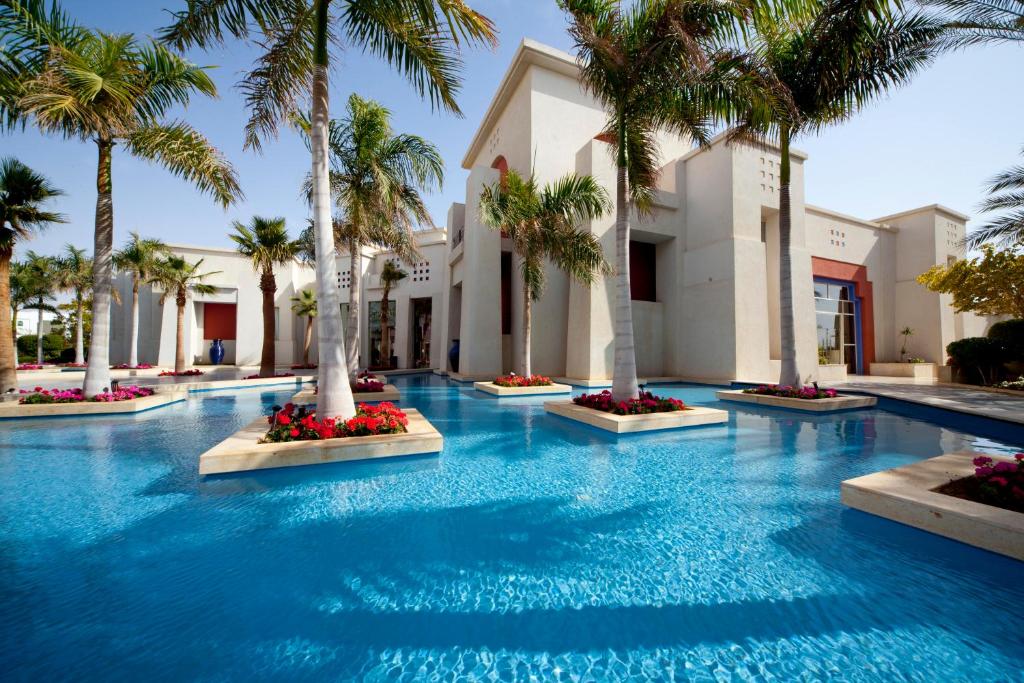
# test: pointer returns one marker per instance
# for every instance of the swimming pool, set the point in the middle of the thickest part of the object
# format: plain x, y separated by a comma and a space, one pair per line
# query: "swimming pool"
532, 546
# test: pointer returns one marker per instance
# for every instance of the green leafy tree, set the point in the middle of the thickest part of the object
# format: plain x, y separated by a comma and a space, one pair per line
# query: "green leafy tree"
178, 278
113, 90
819, 72
991, 284
544, 225
304, 306
23, 196
140, 257
266, 243
73, 273
420, 38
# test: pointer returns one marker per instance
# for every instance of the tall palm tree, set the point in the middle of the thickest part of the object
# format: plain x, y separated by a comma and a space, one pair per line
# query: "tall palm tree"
73, 274
543, 224
23, 195
266, 243
179, 278
982, 21
420, 37
654, 65
117, 90
20, 294
376, 179
1006, 193
304, 305
140, 257
390, 275
40, 272
825, 69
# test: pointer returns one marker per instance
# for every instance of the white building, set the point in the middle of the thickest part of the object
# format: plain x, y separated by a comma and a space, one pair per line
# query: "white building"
704, 267
234, 312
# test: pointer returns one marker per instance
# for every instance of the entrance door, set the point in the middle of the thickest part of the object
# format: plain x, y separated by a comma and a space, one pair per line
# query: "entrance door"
837, 311
421, 314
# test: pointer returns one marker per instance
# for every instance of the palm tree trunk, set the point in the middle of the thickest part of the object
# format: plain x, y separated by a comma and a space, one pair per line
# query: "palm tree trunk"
8, 354
14, 315
267, 360
624, 381
79, 331
525, 369
133, 333
179, 337
306, 342
354, 301
385, 333
790, 374
97, 374
334, 395
39, 331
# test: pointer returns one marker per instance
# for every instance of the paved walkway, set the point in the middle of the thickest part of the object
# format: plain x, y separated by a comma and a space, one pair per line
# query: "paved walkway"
958, 397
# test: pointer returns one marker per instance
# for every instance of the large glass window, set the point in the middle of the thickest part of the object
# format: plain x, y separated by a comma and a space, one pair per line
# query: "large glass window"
836, 313
375, 332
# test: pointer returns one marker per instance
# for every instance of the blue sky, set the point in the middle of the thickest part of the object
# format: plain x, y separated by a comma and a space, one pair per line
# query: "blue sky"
936, 140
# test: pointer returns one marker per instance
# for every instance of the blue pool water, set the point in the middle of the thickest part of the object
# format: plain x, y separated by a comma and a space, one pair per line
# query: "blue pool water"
530, 548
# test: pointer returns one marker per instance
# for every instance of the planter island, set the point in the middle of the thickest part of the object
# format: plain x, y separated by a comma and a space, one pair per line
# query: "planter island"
390, 393
10, 410
504, 392
242, 451
908, 495
814, 405
624, 424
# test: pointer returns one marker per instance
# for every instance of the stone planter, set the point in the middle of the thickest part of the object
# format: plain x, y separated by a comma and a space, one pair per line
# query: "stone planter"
907, 495
915, 370
390, 393
242, 452
623, 424
15, 410
504, 392
815, 405
832, 372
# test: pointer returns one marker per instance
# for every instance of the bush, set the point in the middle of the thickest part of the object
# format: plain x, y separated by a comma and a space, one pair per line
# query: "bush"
1009, 333
53, 344
977, 358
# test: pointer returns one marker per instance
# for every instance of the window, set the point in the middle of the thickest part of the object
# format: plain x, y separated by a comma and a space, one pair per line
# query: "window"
836, 314
643, 272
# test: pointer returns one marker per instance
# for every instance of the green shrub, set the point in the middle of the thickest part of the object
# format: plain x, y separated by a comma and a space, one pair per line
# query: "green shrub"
978, 359
53, 344
1010, 333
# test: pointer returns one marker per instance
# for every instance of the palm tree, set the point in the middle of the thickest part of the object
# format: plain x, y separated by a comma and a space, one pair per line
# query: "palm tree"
74, 274
824, 69
20, 294
421, 38
390, 275
1006, 193
140, 257
304, 305
543, 225
178, 278
655, 66
982, 21
266, 243
23, 193
40, 272
376, 178
116, 90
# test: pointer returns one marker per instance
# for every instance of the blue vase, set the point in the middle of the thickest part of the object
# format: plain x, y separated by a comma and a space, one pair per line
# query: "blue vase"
216, 351
453, 355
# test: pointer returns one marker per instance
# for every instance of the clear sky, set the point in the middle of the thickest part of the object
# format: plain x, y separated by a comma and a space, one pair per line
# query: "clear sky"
935, 141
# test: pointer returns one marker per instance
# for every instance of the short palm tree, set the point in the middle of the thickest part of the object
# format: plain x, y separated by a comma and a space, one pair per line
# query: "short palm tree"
825, 69
420, 38
178, 278
40, 274
376, 179
390, 275
116, 90
1006, 194
982, 21
654, 65
140, 257
543, 224
304, 306
266, 243
73, 274
23, 195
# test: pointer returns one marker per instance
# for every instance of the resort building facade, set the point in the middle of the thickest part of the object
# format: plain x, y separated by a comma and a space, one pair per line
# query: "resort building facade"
704, 265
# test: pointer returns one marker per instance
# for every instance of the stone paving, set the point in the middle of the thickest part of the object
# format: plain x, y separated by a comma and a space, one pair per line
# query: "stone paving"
959, 397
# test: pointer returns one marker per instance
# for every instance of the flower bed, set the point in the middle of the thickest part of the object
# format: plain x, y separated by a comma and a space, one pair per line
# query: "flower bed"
308, 366
282, 374
1000, 484
363, 386
185, 373
299, 424
1015, 385
29, 366
40, 395
73, 365
125, 366
807, 393
647, 403
514, 380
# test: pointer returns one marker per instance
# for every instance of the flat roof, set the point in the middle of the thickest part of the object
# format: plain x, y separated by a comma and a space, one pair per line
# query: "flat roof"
853, 219
931, 207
